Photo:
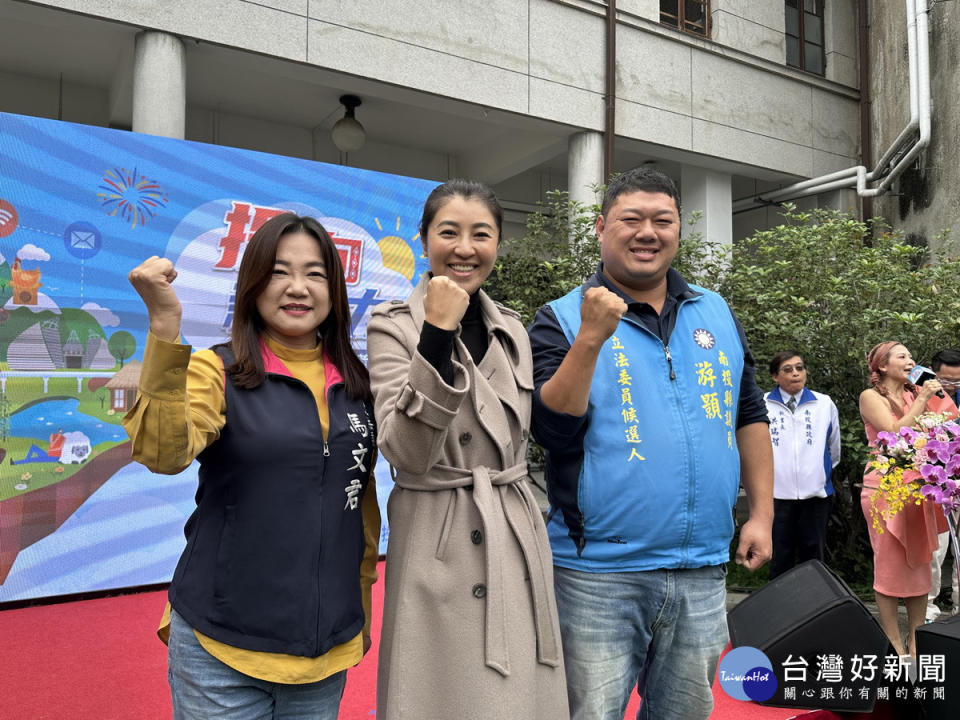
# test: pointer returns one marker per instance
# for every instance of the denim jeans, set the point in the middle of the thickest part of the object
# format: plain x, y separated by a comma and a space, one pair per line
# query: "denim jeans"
203, 688
661, 630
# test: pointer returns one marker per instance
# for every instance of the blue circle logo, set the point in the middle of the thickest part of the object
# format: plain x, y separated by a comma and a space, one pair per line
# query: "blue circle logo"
82, 240
745, 673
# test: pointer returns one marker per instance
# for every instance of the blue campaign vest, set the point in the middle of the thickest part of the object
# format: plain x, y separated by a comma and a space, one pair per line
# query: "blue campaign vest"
274, 547
660, 470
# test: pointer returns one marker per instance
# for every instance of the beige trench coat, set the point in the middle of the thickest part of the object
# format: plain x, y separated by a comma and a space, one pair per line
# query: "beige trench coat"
469, 621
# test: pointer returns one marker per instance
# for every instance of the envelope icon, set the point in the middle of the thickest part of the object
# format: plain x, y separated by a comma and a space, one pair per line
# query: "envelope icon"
83, 240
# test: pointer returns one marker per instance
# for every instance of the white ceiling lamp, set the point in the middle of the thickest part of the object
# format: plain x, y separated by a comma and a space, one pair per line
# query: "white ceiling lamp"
348, 134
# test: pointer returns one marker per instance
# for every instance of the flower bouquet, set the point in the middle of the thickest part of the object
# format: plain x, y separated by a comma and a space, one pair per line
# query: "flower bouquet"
917, 464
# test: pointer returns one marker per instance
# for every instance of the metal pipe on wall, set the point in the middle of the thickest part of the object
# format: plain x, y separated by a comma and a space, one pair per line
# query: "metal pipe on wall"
911, 141
610, 91
866, 103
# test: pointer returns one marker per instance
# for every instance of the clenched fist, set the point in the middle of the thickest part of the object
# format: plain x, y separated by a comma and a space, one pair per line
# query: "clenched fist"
445, 303
600, 313
152, 280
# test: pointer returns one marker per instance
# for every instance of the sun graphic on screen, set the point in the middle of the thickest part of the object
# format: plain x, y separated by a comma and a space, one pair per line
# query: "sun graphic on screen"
396, 252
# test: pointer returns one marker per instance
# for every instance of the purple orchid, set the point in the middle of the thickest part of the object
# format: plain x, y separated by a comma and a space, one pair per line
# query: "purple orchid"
933, 473
953, 465
938, 450
932, 492
908, 434
886, 438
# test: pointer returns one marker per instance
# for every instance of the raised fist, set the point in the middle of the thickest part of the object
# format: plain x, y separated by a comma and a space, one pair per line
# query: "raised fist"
600, 313
445, 303
152, 280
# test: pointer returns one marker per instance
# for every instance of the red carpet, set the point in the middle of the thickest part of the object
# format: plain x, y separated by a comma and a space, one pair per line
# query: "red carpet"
101, 660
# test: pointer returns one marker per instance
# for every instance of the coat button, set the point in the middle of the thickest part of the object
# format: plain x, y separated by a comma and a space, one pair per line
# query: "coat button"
465, 438
479, 591
477, 537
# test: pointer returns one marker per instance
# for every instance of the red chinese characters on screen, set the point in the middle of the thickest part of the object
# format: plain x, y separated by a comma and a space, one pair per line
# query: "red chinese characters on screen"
243, 219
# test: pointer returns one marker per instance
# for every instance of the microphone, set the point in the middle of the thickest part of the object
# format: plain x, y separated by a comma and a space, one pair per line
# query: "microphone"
920, 374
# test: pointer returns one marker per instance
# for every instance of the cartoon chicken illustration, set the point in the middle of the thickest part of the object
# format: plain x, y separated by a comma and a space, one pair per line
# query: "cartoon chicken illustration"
25, 284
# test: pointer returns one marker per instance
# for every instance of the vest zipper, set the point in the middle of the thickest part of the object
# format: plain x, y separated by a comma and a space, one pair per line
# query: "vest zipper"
323, 499
685, 545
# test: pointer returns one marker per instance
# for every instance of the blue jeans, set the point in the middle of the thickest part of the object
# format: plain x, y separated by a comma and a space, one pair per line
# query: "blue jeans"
661, 630
203, 688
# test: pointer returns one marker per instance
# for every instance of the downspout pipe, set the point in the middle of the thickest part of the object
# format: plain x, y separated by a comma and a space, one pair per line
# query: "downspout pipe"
913, 139
923, 90
610, 91
912, 53
866, 103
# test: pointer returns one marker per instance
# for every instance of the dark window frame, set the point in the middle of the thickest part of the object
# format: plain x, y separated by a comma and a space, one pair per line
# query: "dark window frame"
679, 21
802, 60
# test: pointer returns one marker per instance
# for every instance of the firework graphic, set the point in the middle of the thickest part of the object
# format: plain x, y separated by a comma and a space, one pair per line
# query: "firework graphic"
135, 199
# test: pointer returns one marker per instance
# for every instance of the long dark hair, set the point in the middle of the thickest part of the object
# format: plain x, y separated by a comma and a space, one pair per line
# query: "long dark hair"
256, 269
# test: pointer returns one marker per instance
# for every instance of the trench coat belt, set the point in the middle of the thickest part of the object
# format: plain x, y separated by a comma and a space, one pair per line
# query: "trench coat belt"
489, 488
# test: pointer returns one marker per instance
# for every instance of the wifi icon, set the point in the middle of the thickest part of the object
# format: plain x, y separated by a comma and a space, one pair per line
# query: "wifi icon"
8, 218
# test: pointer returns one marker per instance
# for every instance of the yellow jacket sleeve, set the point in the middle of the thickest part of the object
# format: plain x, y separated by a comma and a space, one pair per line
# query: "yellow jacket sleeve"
180, 406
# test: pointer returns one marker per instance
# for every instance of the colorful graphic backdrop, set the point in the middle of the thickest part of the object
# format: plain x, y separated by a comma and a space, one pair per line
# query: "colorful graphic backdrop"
79, 207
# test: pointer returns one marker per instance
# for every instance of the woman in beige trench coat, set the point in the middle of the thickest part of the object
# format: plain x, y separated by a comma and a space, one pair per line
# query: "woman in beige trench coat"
469, 621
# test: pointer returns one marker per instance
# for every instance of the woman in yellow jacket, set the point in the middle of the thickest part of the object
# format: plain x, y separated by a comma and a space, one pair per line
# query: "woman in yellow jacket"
270, 601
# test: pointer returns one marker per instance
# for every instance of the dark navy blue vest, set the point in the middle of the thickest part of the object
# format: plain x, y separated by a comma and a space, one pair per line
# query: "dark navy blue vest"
274, 547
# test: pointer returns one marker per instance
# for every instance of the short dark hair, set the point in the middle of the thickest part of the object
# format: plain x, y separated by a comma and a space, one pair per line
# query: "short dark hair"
947, 356
458, 187
256, 270
780, 358
640, 179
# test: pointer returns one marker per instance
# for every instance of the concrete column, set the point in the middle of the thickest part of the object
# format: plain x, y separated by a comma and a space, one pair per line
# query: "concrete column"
159, 85
711, 194
584, 166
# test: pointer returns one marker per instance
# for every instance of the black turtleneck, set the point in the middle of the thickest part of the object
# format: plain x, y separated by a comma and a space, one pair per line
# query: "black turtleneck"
436, 345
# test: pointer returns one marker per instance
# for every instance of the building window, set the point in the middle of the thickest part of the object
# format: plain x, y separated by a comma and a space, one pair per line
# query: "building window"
691, 16
804, 26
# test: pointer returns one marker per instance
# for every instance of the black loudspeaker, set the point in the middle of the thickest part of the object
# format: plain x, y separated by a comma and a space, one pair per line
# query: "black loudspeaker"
813, 628
938, 668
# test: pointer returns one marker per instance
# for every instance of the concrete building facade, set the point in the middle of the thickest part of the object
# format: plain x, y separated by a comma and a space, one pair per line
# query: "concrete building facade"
511, 92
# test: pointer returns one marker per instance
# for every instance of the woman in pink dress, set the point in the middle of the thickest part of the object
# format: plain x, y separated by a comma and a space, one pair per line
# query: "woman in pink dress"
901, 553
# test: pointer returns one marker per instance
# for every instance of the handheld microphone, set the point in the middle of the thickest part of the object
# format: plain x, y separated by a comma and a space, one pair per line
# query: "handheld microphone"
920, 374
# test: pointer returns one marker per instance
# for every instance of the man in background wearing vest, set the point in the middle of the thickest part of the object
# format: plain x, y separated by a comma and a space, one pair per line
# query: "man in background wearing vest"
648, 408
946, 364
805, 431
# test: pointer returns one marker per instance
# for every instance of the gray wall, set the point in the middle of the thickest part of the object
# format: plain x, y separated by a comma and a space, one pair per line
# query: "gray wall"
927, 200
731, 99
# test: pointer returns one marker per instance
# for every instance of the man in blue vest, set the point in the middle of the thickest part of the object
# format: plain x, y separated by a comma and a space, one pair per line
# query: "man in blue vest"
647, 405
